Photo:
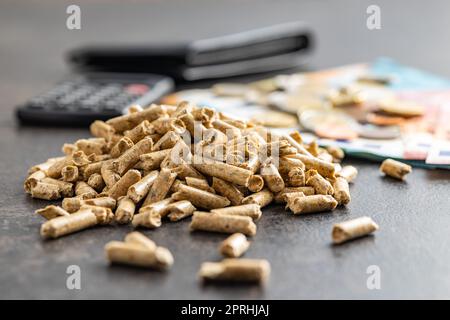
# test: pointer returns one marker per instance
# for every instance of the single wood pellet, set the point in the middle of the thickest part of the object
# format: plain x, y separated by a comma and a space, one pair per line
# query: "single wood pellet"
235, 270
125, 210
85, 190
140, 189
46, 191
272, 177
341, 191
147, 218
120, 188
86, 217
395, 169
251, 210
227, 190
138, 238
70, 173
261, 198
200, 198
160, 186
280, 197
207, 221
319, 183
255, 183
137, 255
95, 181
234, 246
222, 170
163, 163
179, 210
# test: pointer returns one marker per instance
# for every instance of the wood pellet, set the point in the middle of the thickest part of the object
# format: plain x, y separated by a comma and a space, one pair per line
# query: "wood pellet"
234, 246
395, 169
352, 229
137, 250
214, 222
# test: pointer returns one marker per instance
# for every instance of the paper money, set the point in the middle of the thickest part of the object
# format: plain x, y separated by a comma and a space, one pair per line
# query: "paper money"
374, 111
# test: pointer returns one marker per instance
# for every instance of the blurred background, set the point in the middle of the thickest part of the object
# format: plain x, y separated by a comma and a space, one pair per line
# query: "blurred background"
412, 247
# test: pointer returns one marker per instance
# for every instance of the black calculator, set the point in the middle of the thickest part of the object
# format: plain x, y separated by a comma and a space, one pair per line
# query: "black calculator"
83, 98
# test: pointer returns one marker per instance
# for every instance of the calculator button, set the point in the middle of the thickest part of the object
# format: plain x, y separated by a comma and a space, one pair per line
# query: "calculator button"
36, 106
85, 107
111, 106
137, 88
61, 106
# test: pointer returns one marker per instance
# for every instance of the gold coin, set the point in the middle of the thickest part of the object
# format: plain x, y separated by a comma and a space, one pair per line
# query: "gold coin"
266, 85
294, 103
230, 89
401, 108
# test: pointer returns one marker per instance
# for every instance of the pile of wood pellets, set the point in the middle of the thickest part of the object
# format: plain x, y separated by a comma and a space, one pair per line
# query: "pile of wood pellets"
168, 163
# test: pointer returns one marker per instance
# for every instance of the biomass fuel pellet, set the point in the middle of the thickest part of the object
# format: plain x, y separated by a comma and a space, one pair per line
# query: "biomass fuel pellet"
234, 246
352, 229
147, 218
222, 170
272, 177
255, 183
180, 210
138, 238
120, 188
140, 189
251, 210
137, 255
261, 198
395, 169
86, 217
125, 210
200, 198
160, 186
319, 183
311, 204
280, 197
165, 162
341, 191
213, 222
130, 157
227, 190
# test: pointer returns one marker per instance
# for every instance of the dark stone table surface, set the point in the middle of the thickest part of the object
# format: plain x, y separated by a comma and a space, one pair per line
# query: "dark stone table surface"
410, 249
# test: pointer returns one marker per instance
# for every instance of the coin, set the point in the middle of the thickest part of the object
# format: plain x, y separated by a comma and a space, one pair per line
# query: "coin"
370, 131
329, 124
289, 83
335, 131
374, 79
384, 120
230, 89
294, 103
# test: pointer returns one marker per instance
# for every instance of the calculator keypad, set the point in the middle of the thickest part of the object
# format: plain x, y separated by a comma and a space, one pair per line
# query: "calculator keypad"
94, 96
